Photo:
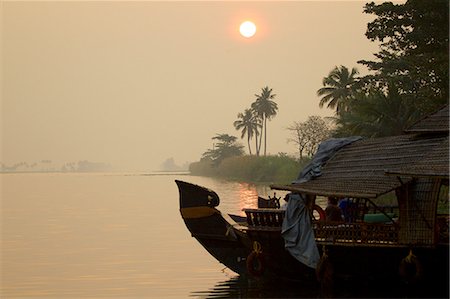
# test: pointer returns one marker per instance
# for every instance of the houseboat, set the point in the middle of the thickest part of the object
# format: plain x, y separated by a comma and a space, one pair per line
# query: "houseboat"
395, 227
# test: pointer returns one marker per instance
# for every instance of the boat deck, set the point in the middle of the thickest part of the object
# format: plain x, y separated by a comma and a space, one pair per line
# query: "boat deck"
358, 233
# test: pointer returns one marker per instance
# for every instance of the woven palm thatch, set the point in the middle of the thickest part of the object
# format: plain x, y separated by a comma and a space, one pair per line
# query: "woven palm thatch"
434, 164
359, 169
436, 122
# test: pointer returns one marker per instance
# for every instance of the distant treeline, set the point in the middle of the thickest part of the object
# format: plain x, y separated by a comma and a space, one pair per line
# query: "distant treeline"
276, 169
50, 166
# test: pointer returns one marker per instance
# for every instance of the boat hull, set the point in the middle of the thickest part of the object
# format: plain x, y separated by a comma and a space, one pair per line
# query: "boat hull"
207, 224
233, 245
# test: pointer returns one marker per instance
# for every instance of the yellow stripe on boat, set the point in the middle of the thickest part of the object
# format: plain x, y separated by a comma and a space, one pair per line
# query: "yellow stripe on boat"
198, 212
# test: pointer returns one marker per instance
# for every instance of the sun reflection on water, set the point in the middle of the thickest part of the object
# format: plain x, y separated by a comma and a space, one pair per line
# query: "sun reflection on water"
248, 196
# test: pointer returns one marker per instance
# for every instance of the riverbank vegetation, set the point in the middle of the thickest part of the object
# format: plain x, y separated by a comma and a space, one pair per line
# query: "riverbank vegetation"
227, 160
273, 169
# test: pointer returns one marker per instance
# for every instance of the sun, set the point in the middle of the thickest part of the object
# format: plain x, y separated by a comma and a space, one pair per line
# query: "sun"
247, 29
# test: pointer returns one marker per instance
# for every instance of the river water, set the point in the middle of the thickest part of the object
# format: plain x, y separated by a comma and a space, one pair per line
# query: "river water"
111, 235
120, 236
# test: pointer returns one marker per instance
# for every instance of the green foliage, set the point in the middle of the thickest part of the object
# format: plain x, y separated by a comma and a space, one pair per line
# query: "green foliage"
226, 147
279, 169
414, 51
376, 114
409, 77
204, 167
338, 88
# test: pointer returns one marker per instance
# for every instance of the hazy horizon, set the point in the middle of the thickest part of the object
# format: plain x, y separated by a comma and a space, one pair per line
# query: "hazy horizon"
133, 84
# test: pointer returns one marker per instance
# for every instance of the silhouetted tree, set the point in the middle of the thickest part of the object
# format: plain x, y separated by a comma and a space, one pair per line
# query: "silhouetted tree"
249, 124
225, 147
414, 51
338, 88
377, 114
266, 109
308, 135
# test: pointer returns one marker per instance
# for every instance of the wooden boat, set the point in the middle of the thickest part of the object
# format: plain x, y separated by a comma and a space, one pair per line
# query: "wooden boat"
404, 243
232, 239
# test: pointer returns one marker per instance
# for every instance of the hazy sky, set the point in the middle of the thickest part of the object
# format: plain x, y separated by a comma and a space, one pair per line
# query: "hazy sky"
135, 83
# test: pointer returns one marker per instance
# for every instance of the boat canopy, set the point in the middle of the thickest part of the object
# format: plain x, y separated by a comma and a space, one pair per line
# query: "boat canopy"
360, 169
434, 164
433, 123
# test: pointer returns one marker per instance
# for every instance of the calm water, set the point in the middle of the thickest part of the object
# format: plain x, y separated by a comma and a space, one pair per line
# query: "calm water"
120, 236
111, 235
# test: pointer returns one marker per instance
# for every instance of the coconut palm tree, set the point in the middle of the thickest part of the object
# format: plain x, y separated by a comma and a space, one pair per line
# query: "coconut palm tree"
266, 109
377, 114
249, 125
338, 88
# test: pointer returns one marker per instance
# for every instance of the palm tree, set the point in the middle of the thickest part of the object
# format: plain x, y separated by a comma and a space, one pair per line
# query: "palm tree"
377, 114
248, 124
338, 88
265, 108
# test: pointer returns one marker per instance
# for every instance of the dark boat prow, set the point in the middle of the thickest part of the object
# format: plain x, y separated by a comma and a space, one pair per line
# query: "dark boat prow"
217, 232
197, 196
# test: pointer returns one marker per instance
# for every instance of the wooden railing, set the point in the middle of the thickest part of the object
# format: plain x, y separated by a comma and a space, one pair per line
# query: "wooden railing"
356, 233
261, 218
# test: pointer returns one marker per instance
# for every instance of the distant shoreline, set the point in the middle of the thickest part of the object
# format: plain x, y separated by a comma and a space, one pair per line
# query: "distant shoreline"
181, 172
143, 173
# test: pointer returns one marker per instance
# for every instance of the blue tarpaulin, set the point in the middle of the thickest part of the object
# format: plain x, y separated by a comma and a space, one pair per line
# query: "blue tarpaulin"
296, 228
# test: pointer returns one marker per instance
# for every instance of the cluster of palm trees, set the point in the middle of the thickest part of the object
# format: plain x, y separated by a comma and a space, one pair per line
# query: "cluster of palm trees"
253, 121
363, 108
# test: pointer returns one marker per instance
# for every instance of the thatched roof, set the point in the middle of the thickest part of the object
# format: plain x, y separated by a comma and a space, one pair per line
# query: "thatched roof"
433, 164
359, 169
436, 122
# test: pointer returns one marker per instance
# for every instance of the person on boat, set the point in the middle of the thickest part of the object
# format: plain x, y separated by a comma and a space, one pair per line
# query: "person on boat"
332, 211
346, 206
286, 199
